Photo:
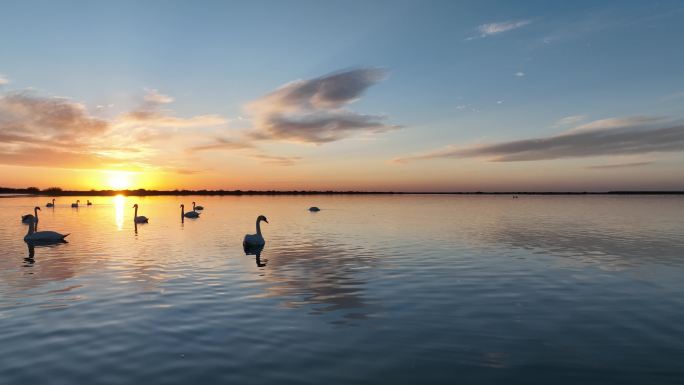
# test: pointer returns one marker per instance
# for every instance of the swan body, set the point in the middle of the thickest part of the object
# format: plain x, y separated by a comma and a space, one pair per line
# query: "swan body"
255, 240
50, 204
43, 236
196, 207
75, 205
138, 219
31, 218
189, 214
314, 209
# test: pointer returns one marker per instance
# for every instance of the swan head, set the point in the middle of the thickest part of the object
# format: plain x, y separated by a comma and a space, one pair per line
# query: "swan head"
262, 218
37, 208
182, 205
135, 206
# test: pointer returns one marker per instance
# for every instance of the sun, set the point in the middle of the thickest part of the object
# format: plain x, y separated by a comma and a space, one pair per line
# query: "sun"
119, 180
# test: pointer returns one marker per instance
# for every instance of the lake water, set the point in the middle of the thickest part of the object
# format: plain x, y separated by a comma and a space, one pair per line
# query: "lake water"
409, 289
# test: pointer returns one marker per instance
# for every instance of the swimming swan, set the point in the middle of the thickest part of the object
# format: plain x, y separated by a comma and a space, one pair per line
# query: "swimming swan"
196, 207
89, 204
75, 204
189, 214
31, 218
136, 218
314, 209
51, 204
42, 236
257, 239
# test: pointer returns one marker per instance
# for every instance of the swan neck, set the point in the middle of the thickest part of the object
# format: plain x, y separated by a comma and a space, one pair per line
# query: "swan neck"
258, 226
136, 212
30, 229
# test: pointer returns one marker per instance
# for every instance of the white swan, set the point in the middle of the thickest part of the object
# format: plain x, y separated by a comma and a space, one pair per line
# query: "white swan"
136, 218
31, 218
42, 236
314, 209
76, 204
189, 214
255, 240
196, 207
51, 204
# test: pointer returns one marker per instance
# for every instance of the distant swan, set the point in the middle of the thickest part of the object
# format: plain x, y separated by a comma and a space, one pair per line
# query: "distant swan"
76, 204
189, 214
136, 218
252, 240
314, 209
51, 204
42, 236
196, 207
31, 218
89, 204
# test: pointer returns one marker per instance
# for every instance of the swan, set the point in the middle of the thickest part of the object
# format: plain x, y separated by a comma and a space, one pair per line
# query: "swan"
31, 218
255, 240
89, 203
51, 204
42, 236
196, 207
136, 218
314, 209
189, 214
76, 204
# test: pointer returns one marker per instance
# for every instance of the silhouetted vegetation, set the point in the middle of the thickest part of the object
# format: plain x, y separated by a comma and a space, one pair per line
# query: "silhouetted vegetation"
57, 191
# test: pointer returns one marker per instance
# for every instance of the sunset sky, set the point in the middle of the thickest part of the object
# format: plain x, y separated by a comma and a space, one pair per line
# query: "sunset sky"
381, 95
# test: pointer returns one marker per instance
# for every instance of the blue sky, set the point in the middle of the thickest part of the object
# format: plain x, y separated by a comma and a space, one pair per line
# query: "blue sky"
457, 73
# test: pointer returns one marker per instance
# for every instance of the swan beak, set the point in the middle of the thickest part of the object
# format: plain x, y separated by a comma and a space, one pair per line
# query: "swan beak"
39, 209
265, 220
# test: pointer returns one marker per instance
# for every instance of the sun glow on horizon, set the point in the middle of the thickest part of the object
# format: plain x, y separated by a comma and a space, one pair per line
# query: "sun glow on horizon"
119, 180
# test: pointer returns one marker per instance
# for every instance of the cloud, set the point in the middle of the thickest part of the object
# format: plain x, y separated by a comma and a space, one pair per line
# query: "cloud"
151, 114
569, 120
3, 80
491, 29
313, 110
619, 165
519, 74
223, 144
31, 118
277, 160
617, 136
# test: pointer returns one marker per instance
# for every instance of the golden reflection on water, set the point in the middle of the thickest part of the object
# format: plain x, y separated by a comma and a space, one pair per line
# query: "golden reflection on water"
119, 205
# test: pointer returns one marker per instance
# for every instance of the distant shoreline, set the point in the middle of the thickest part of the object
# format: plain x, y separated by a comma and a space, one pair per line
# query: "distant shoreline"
11, 192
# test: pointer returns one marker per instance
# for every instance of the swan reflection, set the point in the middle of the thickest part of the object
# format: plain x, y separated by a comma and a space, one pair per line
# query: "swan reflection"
256, 251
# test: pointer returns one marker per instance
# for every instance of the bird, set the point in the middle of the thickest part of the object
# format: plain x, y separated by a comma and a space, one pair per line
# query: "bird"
31, 218
136, 218
51, 204
255, 240
189, 214
314, 209
43, 236
89, 203
76, 204
196, 207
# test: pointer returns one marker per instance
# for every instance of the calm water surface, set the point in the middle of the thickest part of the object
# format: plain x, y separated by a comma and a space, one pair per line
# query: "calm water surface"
371, 290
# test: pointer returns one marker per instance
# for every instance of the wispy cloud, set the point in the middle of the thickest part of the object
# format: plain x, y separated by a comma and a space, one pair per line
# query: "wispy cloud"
619, 165
519, 74
314, 110
152, 114
3, 80
491, 29
618, 136
277, 160
223, 144
569, 120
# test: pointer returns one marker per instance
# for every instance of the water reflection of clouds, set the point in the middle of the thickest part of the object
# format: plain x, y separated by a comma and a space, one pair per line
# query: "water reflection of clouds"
611, 248
327, 278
